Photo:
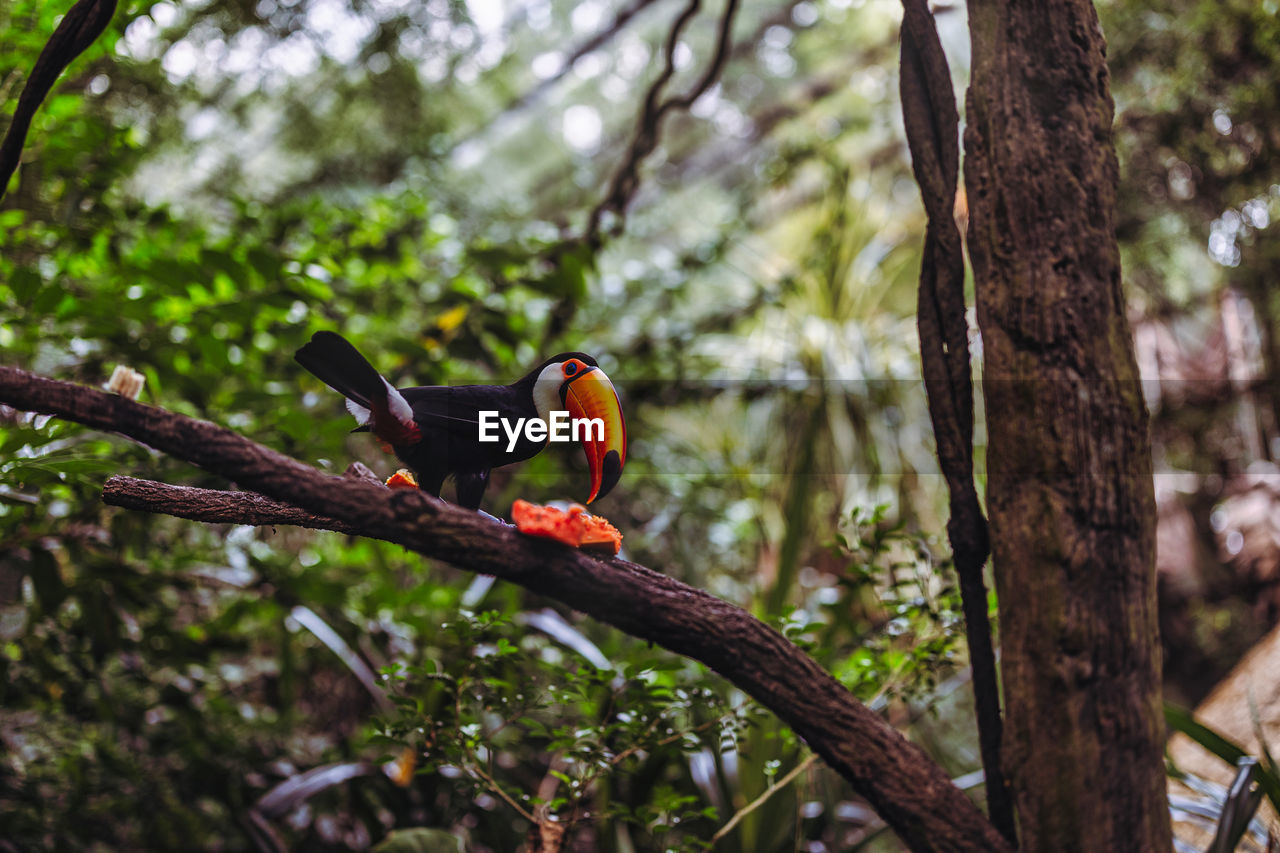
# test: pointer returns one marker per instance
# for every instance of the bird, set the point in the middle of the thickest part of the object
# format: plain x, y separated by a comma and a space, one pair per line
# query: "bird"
465, 431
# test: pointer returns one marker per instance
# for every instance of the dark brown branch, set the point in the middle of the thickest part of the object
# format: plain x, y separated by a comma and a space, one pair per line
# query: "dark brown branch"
780, 17
82, 24
213, 506
626, 180
906, 788
932, 125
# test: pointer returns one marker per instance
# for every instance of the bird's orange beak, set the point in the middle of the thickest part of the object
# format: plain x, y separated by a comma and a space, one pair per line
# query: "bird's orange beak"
590, 397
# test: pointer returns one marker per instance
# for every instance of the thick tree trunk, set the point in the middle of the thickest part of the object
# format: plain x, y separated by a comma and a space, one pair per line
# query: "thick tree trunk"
1069, 487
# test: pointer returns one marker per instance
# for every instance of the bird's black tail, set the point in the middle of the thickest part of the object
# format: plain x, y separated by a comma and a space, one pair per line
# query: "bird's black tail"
376, 405
338, 364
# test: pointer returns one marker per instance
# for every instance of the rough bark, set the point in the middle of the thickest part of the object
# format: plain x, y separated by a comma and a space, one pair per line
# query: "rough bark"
1069, 470
906, 788
213, 506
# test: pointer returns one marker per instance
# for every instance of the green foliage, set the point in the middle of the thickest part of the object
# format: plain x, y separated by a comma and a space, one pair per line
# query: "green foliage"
419, 841
916, 632
1181, 720
507, 714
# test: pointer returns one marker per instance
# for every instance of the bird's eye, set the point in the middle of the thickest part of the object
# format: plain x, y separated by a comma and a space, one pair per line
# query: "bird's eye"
570, 368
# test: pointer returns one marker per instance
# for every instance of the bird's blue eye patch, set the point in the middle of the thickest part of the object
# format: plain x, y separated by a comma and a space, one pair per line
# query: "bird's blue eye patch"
570, 368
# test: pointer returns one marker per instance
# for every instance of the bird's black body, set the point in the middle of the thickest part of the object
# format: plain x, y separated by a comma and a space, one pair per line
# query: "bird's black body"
449, 417
442, 440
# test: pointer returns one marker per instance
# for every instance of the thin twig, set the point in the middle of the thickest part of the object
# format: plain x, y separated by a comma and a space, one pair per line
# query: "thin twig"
497, 789
764, 797
471, 763
592, 44
626, 179
892, 681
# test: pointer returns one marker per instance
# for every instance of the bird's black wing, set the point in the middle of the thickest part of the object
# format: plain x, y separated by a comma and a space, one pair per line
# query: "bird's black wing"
450, 420
454, 409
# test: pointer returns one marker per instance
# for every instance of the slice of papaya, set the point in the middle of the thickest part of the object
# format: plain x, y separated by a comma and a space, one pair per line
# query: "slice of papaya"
402, 479
576, 527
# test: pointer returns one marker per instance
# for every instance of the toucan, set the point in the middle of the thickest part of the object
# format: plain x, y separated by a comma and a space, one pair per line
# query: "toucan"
436, 430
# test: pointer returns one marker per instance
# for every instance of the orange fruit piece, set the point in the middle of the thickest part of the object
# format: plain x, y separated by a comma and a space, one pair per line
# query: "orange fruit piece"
577, 527
402, 479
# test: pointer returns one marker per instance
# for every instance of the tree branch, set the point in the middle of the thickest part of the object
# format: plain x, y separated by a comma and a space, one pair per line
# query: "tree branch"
213, 506
905, 787
932, 126
595, 42
627, 179
82, 24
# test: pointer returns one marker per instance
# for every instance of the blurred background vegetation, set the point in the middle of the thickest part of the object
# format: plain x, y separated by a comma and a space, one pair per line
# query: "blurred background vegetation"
214, 181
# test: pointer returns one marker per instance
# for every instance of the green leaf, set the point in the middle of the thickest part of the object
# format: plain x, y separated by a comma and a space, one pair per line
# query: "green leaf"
419, 840
24, 283
1181, 720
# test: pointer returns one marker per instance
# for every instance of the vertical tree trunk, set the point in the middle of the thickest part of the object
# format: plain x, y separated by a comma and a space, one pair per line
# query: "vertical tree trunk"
1069, 489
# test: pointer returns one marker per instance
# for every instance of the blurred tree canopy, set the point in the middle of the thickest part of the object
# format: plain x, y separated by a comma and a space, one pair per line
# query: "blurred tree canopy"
212, 182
